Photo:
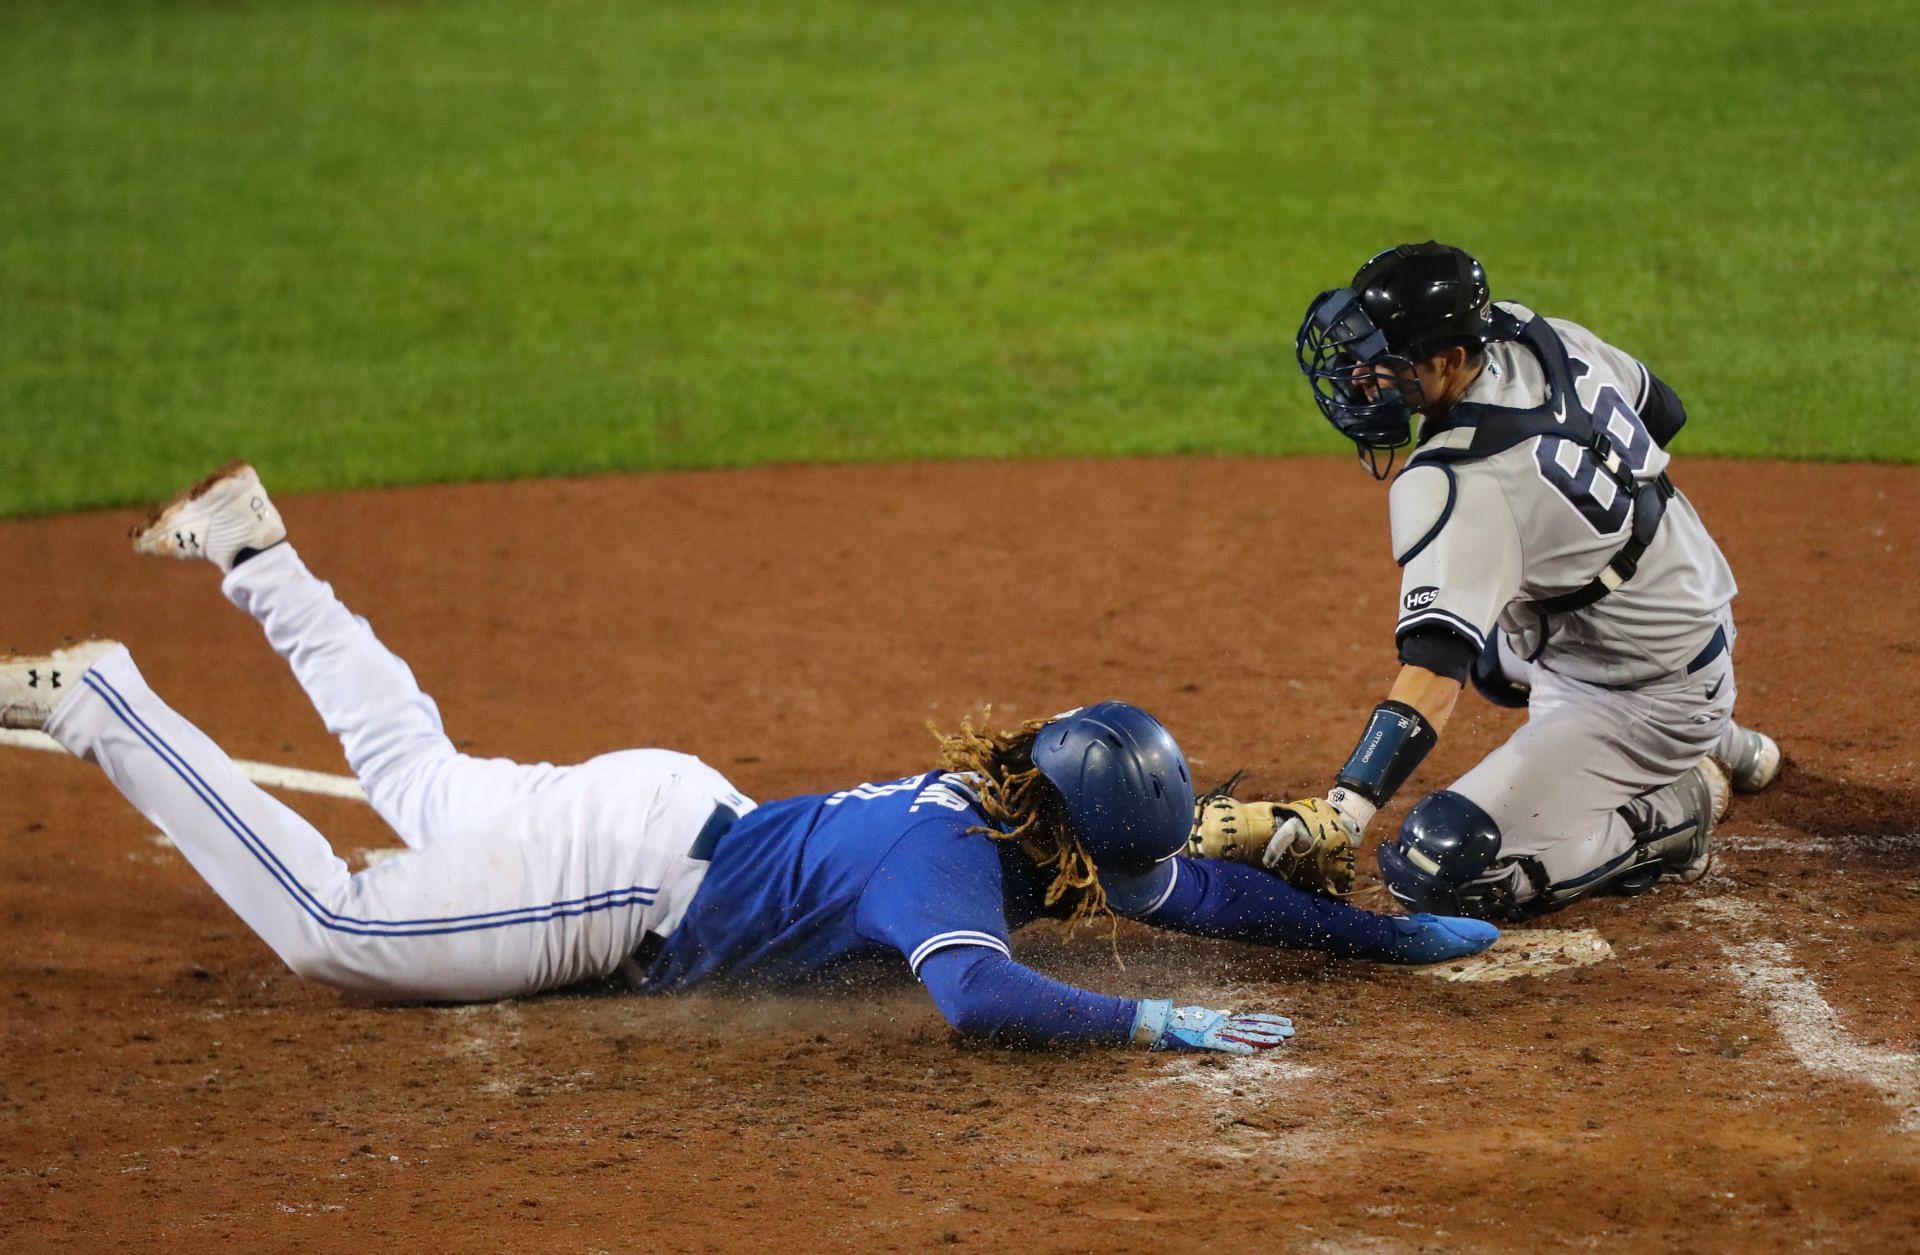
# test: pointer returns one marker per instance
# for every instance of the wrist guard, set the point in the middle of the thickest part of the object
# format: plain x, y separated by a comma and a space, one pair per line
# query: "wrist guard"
1150, 1019
1396, 739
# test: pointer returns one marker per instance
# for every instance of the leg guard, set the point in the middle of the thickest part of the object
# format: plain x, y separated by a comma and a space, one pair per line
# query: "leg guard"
1679, 852
1444, 859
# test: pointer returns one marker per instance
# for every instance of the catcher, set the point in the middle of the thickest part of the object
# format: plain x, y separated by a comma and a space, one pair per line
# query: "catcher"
649, 865
1547, 555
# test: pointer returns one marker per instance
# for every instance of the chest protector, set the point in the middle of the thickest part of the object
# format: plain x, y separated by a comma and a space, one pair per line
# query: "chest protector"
1497, 428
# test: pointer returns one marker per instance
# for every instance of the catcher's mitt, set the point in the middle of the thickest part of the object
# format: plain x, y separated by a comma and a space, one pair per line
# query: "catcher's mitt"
1306, 843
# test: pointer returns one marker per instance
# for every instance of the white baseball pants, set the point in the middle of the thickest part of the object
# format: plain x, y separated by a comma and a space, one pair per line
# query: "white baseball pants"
518, 878
1590, 769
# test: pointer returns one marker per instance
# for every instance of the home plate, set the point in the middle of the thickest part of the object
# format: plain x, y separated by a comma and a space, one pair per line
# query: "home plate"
1528, 952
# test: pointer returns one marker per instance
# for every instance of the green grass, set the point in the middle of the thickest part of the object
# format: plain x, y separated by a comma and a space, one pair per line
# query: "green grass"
372, 243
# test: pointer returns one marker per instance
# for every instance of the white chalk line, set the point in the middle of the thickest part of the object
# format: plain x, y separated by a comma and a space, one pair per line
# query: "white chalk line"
1863, 842
1813, 1031
1230, 1076
1807, 1022
266, 774
1244, 1085
1738, 910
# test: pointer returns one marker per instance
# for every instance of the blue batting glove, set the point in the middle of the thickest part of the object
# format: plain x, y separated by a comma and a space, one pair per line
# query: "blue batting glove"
1437, 938
1159, 1025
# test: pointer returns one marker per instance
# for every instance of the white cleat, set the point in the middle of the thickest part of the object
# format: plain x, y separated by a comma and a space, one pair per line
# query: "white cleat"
216, 519
1755, 761
32, 686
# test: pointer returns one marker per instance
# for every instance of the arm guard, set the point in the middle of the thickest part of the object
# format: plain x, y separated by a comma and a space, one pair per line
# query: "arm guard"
1396, 739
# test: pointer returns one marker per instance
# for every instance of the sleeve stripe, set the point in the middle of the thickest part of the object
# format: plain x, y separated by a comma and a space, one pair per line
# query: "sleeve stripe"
942, 941
1473, 634
1162, 899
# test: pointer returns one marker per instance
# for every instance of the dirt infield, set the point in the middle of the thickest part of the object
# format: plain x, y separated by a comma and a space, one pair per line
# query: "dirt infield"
1743, 1073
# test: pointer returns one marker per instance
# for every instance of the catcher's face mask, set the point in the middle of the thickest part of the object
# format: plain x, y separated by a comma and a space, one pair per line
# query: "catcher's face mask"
1367, 392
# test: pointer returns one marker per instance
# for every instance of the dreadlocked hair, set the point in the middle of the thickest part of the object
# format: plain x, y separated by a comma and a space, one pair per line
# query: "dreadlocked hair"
1022, 806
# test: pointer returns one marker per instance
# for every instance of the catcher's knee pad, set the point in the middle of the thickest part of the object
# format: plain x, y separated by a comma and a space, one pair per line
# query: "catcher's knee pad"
1440, 859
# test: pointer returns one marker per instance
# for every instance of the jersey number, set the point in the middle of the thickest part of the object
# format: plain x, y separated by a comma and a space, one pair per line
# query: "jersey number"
1577, 474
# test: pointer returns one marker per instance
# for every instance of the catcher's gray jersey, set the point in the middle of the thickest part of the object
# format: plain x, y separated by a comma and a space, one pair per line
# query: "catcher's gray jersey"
1480, 540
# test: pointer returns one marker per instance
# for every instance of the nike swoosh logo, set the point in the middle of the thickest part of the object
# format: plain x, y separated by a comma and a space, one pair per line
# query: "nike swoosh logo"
1715, 690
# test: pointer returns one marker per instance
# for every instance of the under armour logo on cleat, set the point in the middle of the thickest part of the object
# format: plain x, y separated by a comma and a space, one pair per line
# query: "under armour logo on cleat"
33, 678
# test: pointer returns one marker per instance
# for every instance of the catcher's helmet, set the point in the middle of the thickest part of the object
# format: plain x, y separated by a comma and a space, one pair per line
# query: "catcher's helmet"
1125, 783
1405, 305
1441, 856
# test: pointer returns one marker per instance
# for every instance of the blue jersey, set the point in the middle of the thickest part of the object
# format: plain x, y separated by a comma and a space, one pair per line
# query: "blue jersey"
900, 871
800, 886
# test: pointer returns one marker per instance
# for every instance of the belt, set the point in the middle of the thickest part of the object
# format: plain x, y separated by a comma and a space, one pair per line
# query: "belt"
708, 839
1713, 649
647, 951
705, 842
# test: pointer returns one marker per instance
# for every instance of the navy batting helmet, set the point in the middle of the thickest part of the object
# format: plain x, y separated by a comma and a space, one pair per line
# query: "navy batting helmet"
1124, 780
1405, 305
